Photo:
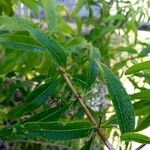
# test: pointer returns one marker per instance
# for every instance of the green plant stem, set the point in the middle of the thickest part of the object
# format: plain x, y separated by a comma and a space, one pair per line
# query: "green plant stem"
89, 115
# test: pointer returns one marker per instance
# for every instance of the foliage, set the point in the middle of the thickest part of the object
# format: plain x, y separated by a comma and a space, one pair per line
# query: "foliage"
50, 70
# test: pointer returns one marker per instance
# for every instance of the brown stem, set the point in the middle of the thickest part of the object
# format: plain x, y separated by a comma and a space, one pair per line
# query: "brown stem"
141, 146
89, 115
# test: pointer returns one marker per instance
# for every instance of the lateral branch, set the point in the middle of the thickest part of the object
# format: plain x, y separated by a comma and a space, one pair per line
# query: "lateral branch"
87, 112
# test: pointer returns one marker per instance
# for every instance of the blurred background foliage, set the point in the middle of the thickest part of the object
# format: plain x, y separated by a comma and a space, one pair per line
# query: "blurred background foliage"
119, 29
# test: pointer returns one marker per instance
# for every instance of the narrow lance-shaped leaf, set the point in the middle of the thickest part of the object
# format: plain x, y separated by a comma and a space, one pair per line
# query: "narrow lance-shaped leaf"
14, 24
136, 137
54, 48
79, 5
38, 97
55, 115
103, 32
145, 51
20, 42
143, 95
122, 104
138, 67
49, 43
118, 66
142, 107
128, 49
51, 17
112, 121
143, 124
48, 131
51, 114
32, 4
75, 44
93, 68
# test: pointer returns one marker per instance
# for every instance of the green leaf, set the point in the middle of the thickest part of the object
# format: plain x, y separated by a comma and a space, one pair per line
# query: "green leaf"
145, 51
79, 5
112, 121
138, 67
136, 137
128, 49
50, 11
117, 17
102, 32
93, 69
20, 42
51, 114
38, 97
80, 79
54, 48
9, 64
143, 95
14, 24
32, 4
48, 131
145, 74
64, 29
143, 124
75, 43
6, 7
87, 145
142, 107
23, 63
122, 104
119, 65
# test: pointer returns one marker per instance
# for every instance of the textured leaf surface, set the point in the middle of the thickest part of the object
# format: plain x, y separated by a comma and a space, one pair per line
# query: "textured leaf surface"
49, 43
54, 48
51, 114
136, 137
122, 104
49, 131
20, 42
14, 23
38, 97
138, 67
93, 68
50, 10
